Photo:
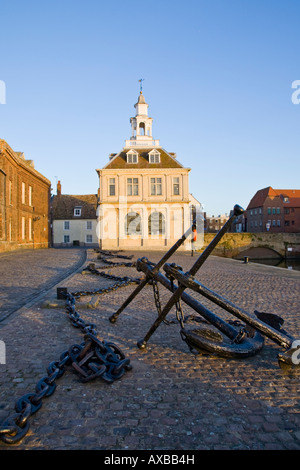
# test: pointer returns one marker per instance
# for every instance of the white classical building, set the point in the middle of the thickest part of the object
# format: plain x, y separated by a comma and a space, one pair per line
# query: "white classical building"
144, 196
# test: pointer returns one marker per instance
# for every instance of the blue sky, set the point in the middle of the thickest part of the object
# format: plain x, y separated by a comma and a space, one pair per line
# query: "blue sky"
217, 75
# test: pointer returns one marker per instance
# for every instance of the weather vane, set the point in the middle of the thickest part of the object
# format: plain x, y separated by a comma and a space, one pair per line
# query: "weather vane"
141, 84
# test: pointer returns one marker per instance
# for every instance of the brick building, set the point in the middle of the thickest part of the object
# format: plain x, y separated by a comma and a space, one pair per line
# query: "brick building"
24, 202
74, 219
215, 223
274, 210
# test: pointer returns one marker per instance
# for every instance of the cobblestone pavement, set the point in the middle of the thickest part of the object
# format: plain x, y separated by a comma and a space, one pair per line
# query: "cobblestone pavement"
25, 275
171, 399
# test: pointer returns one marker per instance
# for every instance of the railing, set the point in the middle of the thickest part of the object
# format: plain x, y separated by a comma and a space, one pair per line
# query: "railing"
136, 143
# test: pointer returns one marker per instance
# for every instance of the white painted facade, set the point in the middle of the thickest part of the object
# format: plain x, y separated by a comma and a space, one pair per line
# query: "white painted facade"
143, 193
70, 232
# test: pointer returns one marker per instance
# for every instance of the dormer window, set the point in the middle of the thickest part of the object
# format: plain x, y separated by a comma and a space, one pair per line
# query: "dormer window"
132, 156
154, 156
77, 211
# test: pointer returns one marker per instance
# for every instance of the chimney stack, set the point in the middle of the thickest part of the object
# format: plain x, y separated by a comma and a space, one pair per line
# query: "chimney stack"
58, 189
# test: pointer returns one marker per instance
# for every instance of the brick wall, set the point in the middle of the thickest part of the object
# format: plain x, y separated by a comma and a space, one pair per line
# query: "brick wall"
281, 216
24, 203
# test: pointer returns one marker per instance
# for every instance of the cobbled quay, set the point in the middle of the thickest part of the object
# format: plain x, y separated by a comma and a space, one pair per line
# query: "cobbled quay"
171, 399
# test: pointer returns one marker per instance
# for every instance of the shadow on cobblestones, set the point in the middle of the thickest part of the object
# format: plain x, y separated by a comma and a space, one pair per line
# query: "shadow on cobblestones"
172, 399
25, 275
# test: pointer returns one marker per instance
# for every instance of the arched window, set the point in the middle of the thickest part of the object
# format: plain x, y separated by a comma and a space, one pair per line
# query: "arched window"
142, 128
156, 223
133, 224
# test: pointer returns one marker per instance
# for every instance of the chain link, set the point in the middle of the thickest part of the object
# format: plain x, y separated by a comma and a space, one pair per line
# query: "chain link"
91, 359
157, 299
16, 426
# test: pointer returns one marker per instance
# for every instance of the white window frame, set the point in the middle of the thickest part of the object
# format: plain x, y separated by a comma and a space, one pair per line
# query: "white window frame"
23, 228
154, 156
23, 193
132, 186
175, 185
9, 230
66, 238
156, 186
132, 157
30, 195
10, 192
77, 211
89, 225
88, 235
30, 229
66, 225
112, 186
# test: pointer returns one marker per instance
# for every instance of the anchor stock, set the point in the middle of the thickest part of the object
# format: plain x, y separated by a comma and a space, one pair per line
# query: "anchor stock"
276, 335
196, 266
233, 339
113, 318
240, 343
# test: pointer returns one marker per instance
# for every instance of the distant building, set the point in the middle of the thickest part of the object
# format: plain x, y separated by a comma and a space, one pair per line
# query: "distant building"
24, 202
74, 220
238, 225
215, 223
274, 210
144, 192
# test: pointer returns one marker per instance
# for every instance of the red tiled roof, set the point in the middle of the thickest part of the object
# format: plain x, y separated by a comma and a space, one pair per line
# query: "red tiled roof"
294, 202
261, 195
291, 193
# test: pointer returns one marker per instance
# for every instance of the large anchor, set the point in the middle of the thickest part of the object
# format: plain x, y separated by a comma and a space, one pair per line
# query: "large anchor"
220, 337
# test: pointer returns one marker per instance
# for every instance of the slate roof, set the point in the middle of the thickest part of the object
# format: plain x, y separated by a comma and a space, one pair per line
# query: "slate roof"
63, 206
119, 161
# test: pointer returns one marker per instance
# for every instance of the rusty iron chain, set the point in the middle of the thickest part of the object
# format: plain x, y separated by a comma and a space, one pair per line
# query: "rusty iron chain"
178, 306
180, 317
16, 426
121, 281
91, 359
157, 300
103, 256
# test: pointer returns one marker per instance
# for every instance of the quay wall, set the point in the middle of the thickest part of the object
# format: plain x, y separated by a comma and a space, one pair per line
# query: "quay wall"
256, 245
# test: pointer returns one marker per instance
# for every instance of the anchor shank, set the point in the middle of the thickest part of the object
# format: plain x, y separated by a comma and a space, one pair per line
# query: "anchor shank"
224, 327
161, 262
202, 258
277, 336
